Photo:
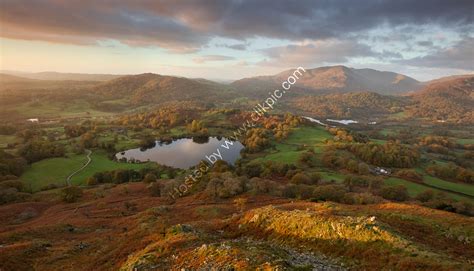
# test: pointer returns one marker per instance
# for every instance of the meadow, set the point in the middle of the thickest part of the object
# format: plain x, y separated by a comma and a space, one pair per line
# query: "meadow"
54, 171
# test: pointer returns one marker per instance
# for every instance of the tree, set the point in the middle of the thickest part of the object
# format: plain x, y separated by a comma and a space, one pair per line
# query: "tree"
150, 178
305, 158
363, 169
332, 192
425, 196
301, 178
396, 193
71, 194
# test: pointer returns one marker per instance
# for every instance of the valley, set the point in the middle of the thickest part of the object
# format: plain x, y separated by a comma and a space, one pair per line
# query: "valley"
377, 167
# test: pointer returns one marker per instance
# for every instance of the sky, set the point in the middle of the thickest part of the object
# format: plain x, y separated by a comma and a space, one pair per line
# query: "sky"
232, 39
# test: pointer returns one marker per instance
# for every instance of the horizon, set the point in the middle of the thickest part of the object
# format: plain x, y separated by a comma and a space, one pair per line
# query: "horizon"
229, 40
219, 80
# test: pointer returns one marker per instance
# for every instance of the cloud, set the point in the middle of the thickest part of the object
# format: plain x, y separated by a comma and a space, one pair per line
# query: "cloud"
186, 26
86, 23
212, 58
459, 56
315, 53
425, 43
240, 46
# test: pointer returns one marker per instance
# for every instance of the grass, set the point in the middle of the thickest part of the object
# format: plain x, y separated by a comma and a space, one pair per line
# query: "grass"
456, 187
50, 109
308, 136
376, 245
398, 115
379, 141
51, 171
100, 162
287, 152
465, 141
283, 153
414, 189
388, 131
339, 178
6, 139
55, 170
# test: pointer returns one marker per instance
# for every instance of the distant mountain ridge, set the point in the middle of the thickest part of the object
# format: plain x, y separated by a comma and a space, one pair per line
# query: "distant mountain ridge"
59, 76
335, 79
7, 78
446, 98
150, 87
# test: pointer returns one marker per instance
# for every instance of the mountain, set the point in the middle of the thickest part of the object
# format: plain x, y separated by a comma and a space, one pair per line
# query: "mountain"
7, 78
446, 99
18, 84
153, 88
332, 79
448, 78
58, 76
348, 105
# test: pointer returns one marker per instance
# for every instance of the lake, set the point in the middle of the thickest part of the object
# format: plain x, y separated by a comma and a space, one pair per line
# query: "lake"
185, 152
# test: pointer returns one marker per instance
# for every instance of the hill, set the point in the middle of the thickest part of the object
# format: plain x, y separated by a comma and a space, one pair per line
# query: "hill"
349, 105
17, 84
152, 88
59, 76
7, 78
448, 99
109, 229
333, 79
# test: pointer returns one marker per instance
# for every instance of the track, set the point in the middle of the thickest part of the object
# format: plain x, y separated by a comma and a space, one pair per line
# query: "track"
89, 160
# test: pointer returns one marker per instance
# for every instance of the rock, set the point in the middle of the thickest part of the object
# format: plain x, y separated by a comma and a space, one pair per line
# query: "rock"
202, 249
255, 218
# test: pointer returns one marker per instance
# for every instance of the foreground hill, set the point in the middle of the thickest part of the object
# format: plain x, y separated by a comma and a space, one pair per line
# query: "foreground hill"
152, 88
124, 228
446, 99
333, 79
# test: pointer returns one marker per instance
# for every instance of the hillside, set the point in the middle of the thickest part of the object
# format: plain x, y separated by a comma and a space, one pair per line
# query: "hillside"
18, 85
334, 79
124, 228
152, 88
449, 99
59, 76
7, 78
349, 105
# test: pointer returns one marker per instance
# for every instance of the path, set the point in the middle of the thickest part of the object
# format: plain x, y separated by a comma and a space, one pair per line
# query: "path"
89, 160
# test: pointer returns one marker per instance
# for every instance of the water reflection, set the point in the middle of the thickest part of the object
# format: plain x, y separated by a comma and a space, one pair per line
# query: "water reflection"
184, 152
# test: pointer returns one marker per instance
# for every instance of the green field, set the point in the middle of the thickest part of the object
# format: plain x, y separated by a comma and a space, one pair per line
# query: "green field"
379, 141
51, 171
287, 150
399, 115
55, 170
7, 139
456, 187
100, 162
414, 188
389, 131
328, 176
283, 153
464, 141
50, 109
